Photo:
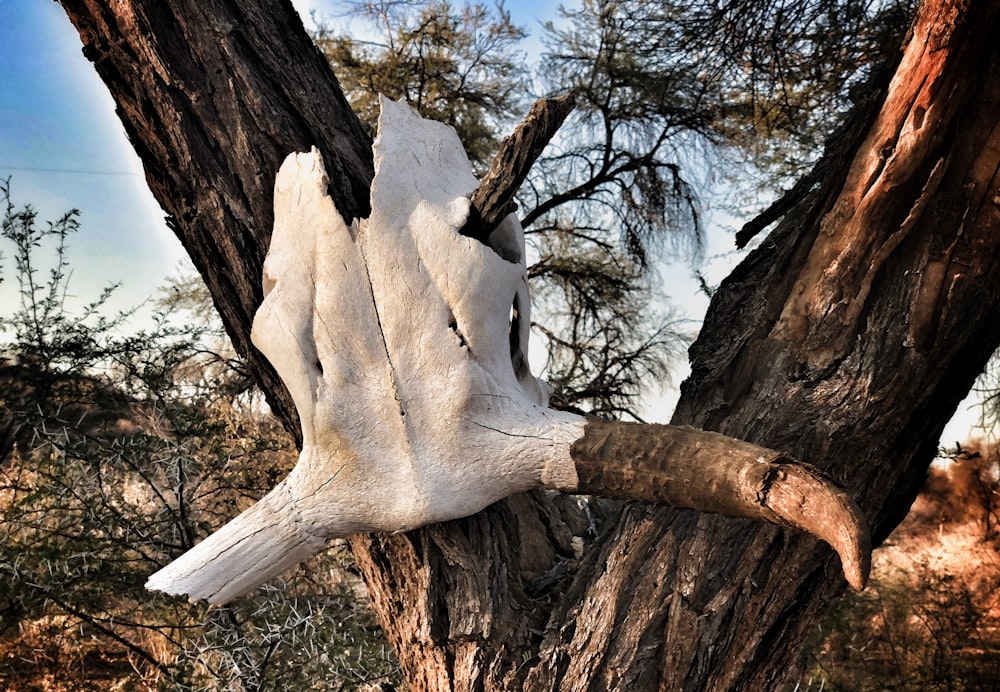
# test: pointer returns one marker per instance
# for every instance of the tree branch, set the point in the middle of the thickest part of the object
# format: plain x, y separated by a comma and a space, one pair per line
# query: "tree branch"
493, 200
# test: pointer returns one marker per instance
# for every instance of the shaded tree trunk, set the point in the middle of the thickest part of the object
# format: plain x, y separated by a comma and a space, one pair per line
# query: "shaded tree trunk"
846, 339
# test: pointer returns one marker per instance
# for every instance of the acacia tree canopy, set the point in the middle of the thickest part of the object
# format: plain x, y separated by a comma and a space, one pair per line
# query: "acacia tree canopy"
848, 339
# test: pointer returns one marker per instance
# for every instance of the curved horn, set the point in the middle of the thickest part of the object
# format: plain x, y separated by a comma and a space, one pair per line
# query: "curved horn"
660, 463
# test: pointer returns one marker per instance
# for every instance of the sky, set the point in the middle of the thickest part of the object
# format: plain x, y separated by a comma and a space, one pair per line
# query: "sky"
63, 147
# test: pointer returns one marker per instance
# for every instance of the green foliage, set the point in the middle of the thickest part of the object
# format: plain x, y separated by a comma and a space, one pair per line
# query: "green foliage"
787, 73
460, 66
618, 168
599, 299
120, 453
665, 84
664, 90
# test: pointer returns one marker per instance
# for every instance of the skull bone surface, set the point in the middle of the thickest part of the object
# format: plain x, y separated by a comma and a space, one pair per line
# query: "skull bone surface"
394, 337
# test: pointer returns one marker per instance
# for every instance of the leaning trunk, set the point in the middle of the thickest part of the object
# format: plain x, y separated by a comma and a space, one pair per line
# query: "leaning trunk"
847, 340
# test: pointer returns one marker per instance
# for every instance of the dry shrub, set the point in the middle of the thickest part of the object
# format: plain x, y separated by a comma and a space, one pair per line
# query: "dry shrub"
930, 618
117, 454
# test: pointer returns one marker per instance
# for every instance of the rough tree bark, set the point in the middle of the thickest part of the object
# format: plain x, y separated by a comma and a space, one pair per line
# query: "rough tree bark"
846, 339
213, 96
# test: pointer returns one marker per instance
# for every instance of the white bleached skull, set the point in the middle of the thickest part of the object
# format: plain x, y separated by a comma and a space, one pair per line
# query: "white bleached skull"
394, 339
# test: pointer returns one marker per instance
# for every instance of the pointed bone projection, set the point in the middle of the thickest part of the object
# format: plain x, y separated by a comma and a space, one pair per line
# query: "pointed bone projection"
403, 344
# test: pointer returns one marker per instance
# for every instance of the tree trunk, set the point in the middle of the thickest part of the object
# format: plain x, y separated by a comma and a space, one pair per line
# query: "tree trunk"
213, 96
846, 339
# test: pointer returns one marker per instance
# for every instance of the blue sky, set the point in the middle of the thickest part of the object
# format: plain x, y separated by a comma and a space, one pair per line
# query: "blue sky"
63, 147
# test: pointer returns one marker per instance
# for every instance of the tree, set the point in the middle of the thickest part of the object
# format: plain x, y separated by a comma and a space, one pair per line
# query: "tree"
847, 339
458, 66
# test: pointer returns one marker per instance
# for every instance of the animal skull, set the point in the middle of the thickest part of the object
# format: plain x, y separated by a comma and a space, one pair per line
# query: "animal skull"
402, 344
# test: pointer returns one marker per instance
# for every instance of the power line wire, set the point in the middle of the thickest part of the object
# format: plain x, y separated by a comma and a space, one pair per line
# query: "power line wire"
72, 171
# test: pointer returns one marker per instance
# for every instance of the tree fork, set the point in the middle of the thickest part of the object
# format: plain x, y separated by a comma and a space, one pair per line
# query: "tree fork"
664, 598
